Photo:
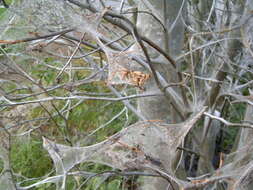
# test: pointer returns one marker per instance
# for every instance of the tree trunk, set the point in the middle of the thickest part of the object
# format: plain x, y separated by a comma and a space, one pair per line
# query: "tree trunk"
154, 108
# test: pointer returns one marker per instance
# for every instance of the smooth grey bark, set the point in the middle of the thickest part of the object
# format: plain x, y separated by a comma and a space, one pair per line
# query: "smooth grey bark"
210, 131
245, 141
246, 135
6, 177
166, 12
172, 42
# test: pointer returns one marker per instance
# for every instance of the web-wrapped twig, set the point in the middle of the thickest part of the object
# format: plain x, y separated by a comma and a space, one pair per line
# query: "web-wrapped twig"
127, 150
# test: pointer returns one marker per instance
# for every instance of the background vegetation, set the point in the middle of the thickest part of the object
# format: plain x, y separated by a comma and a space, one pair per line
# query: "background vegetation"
58, 82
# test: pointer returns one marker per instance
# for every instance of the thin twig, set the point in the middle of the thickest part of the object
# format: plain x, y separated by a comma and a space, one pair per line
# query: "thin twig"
227, 123
83, 98
36, 38
70, 58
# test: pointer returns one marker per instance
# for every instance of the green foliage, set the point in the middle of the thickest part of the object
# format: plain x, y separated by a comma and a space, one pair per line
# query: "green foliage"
2, 10
29, 158
1, 165
235, 115
46, 186
100, 182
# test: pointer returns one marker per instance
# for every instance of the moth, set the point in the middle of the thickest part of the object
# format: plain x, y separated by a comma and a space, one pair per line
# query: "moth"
136, 78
